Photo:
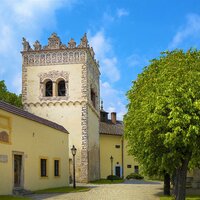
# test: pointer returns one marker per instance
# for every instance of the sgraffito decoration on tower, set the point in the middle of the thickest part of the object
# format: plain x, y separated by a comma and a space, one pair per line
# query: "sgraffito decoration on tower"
60, 54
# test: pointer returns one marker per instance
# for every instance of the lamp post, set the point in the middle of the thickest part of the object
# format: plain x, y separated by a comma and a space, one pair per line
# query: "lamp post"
73, 150
111, 160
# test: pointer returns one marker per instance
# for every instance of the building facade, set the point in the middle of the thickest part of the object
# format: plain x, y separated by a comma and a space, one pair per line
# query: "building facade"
61, 83
114, 158
29, 158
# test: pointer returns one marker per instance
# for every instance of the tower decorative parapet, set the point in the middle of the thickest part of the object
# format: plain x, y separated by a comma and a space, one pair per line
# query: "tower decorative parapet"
37, 45
56, 52
26, 45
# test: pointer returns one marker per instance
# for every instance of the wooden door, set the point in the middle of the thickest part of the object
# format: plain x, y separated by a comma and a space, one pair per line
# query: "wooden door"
117, 171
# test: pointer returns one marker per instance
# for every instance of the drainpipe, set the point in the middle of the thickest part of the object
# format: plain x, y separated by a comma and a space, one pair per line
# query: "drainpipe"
122, 157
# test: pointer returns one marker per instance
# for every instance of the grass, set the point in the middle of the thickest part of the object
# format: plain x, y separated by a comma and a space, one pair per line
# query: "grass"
106, 181
62, 190
47, 191
13, 198
187, 198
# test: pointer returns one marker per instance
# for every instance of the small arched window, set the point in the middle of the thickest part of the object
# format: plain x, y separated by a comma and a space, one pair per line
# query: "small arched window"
61, 88
93, 97
49, 89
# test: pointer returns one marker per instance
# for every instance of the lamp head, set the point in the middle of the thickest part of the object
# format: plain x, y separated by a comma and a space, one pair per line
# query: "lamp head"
73, 150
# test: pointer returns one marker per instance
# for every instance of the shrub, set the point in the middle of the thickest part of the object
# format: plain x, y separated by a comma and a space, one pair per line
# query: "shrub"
134, 176
113, 177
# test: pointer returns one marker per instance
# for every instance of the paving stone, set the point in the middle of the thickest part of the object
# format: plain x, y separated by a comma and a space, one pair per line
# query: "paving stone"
130, 190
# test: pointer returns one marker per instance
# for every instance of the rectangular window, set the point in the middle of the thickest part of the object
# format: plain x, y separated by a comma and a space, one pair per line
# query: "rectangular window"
128, 166
117, 146
56, 168
43, 167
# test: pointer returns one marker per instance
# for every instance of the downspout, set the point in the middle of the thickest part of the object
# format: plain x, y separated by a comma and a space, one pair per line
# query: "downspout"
122, 157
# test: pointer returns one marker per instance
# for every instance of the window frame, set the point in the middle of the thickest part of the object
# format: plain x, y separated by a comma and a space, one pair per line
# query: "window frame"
57, 173
46, 167
58, 89
45, 88
55, 77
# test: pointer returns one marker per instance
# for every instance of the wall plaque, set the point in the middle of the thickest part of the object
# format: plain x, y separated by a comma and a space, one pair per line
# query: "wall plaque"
3, 158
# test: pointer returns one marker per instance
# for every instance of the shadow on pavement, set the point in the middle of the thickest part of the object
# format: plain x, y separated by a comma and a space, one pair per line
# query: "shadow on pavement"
43, 196
51, 195
134, 181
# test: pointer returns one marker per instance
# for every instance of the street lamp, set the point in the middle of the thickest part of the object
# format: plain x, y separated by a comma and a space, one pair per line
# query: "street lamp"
111, 160
73, 150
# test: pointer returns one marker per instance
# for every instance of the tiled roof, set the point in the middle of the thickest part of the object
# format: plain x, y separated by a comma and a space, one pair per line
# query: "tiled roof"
109, 128
17, 111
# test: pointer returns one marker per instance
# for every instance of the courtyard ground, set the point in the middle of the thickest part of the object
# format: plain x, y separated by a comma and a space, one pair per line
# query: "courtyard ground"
129, 190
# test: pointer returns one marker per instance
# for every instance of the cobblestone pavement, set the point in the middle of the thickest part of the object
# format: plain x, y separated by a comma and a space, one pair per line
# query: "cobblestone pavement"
126, 191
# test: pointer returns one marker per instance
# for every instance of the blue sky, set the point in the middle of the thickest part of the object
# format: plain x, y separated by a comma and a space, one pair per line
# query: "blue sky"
125, 35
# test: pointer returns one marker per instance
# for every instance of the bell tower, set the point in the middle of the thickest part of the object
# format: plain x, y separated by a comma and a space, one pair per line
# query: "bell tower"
61, 83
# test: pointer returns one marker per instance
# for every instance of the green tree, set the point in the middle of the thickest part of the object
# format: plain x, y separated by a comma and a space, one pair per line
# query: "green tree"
9, 97
162, 124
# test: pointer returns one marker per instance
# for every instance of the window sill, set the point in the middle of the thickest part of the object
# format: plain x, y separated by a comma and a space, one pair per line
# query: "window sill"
57, 176
44, 177
54, 98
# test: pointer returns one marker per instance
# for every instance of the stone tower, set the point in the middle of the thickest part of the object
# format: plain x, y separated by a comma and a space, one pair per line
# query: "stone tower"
61, 83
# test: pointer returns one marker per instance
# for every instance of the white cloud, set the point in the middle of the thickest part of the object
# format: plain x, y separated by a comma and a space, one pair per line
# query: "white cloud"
109, 69
111, 16
191, 29
104, 53
27, 18
34, 15
113, 99
122, 12
100, 44
136, 60
17, 83
7, 40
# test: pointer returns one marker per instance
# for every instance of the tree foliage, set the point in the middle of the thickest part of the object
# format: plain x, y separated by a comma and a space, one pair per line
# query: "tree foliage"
162, 124
9, 97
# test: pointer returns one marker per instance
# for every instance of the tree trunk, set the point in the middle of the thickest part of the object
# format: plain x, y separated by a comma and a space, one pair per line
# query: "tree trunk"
173, 182
175, 188
181, 181
166, 184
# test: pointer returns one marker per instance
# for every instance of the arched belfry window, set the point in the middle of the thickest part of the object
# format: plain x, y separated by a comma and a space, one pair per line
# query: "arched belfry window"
54, 85
49, 89
61, 88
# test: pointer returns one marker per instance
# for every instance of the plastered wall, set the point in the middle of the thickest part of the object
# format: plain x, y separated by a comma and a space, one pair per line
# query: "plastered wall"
33, 141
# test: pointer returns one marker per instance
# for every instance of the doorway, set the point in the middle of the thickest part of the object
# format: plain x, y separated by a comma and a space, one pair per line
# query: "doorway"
117, 171
18, 171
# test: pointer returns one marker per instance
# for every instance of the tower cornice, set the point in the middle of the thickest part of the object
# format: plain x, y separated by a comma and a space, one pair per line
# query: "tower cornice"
57, 53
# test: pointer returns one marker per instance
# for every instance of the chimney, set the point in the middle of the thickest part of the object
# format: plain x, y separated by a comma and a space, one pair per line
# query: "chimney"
113, 117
